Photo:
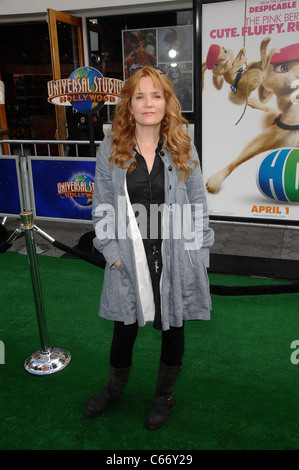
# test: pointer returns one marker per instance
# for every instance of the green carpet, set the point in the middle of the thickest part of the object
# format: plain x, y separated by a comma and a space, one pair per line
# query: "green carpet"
238, 388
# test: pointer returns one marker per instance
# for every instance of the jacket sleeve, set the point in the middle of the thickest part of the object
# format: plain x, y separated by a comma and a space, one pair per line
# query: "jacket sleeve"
103, 212
196, 195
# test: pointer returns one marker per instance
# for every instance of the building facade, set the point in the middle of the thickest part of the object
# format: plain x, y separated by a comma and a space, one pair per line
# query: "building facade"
39, 43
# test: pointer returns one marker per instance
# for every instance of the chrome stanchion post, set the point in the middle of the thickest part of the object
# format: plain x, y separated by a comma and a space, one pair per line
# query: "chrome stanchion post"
27, 202
47, 360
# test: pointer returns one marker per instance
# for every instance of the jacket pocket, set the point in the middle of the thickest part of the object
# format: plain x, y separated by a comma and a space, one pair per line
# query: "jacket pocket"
194, 280
188, 274
118, 298
127, 299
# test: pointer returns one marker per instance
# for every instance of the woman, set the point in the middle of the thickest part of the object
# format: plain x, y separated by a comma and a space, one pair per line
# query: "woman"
149, 163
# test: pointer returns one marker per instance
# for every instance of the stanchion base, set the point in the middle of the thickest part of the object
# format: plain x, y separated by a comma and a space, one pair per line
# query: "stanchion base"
40, 249
47, 362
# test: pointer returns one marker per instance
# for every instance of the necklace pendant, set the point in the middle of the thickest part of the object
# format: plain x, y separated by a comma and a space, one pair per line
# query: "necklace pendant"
156, 266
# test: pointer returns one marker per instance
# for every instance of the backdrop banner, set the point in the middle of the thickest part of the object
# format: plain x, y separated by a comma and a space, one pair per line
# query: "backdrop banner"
250, 103
10, 196
62, 188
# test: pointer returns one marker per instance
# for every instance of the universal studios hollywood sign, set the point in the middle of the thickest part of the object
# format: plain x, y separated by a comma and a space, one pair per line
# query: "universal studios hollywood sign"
86, 90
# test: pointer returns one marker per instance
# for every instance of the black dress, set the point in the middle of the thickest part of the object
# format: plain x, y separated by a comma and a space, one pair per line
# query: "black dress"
147, 189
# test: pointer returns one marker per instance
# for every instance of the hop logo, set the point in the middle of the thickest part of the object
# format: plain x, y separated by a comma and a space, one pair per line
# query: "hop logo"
278, 175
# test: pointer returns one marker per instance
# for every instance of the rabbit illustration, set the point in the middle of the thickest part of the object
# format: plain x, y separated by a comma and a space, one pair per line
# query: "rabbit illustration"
242, 80
282, 124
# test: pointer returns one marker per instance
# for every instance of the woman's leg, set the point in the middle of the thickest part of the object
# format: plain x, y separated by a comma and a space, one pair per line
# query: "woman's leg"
172, 351
173, 346
120, 363
123, 340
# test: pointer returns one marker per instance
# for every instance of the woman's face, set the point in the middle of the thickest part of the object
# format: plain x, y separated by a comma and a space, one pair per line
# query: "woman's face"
148, 103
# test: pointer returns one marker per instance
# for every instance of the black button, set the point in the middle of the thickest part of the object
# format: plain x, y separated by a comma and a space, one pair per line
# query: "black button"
162, 153
170, 187
170, 168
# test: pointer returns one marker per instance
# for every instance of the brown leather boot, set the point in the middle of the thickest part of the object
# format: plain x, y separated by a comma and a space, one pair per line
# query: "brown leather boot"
110, 392
164, 398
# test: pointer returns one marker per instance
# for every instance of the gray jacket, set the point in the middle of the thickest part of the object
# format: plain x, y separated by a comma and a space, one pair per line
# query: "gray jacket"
185, 292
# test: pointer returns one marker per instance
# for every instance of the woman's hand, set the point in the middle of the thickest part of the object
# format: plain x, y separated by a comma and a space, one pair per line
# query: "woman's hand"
117, 263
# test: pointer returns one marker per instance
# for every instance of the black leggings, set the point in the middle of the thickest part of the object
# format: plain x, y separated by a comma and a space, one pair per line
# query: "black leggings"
124, 336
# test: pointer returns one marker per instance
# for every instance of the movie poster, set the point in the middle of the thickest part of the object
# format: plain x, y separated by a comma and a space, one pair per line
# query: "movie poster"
250, 102
170, 49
